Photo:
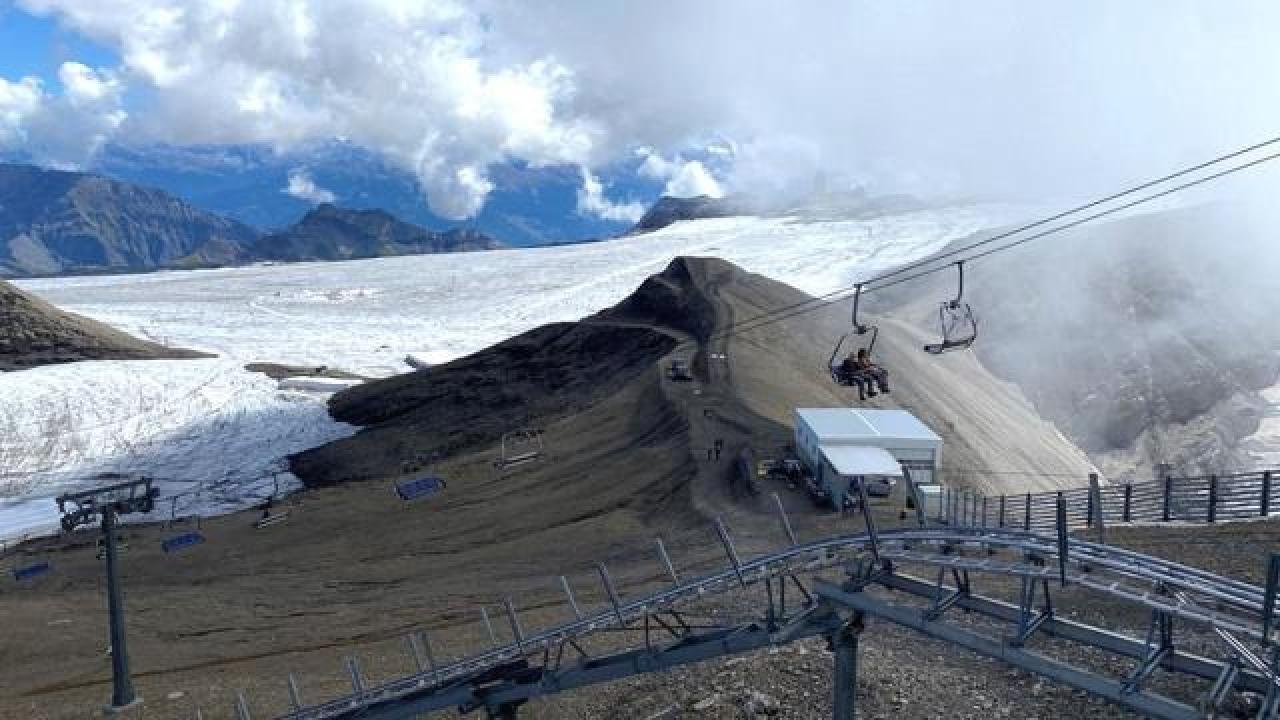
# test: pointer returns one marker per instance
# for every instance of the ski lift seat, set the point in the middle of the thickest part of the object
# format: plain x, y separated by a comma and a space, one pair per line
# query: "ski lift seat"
519, 459
270, 520
32, 571
956, 322
519, 448
419, 487
181, 542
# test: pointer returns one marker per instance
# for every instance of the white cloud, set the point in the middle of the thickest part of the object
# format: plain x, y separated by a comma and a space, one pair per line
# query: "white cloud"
692, 179
18, 101
685, 178
591, 201
933, 95
425, 82
62, 130
303, 187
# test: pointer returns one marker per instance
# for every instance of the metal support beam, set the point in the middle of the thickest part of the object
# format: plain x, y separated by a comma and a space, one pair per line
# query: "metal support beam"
122, 694
607, 580
844, 681
666, 562
786, 522
295, 697
1159, 645
1142, 702
568, 593
1269, 597
729, 550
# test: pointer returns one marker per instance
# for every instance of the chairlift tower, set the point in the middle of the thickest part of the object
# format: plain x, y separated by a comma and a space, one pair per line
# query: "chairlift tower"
106, 505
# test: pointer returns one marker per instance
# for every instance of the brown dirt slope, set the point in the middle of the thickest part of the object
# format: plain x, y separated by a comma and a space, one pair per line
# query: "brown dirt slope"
33, 333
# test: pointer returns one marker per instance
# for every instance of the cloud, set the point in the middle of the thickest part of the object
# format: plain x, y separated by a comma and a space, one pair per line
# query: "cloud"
1006, 97
423, 82
66, 129
591, 201
303, 187
18, 101
693, 180
684, 178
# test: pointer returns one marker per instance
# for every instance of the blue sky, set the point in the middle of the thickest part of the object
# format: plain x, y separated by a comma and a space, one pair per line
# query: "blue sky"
37, 46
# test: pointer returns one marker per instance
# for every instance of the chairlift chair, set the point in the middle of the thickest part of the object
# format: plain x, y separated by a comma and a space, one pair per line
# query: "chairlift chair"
957, 325
835, 364
519, 447
267, 519
28, 570
184, 540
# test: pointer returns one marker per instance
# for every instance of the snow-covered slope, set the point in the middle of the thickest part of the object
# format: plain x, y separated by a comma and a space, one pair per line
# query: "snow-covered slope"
210, 423
365, 316
204, 425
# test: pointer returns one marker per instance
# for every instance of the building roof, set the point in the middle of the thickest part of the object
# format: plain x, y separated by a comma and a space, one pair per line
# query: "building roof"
867, 426
861, 460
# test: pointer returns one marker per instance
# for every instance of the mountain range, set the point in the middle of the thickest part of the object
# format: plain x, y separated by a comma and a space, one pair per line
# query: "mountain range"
250, 183
54, 222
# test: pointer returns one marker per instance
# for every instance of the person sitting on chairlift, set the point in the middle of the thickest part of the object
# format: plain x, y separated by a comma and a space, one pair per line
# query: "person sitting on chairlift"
872, 372
853, 371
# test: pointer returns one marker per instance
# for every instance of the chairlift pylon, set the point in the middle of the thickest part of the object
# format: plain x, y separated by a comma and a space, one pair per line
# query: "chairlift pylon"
957, 325
840, 373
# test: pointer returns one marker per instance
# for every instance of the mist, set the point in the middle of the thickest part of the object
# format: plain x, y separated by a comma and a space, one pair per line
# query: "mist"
1027, 101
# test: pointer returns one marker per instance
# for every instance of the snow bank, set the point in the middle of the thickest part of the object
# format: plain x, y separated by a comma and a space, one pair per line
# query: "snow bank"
189, 423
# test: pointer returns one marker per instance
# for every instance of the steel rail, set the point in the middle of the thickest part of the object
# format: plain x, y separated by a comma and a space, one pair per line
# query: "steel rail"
1085, 559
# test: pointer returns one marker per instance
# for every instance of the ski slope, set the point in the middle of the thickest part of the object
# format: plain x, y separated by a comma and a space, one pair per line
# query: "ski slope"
210, 424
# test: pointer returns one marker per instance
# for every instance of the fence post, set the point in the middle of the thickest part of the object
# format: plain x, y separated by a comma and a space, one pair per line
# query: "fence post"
1265, 505
1001, 511
1213, 498
1128, 502
1168, 491
984, 512
1095, 506
1026, 519
1088, 505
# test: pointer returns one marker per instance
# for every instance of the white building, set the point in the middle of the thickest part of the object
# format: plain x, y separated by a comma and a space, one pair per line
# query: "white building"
840, 445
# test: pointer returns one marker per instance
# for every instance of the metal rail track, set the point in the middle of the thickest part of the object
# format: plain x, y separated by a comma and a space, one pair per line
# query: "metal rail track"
873, 583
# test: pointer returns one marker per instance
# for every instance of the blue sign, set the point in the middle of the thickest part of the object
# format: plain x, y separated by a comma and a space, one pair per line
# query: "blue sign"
32, 571
181, 542
419, 487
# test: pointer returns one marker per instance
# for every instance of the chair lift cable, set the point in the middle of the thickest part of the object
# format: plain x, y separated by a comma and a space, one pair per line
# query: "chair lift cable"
840, 294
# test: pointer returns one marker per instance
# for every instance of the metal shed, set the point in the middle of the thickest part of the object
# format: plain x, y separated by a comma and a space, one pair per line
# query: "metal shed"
840, 445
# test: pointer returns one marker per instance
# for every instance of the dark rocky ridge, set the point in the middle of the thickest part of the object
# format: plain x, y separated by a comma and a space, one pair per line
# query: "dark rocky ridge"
33, 333
668, 210
54, 222
332, 233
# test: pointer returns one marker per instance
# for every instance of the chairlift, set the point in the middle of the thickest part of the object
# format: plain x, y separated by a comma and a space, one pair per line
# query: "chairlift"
267, 519
519, 447
185, 540
29, 570
956, 322
840, 372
